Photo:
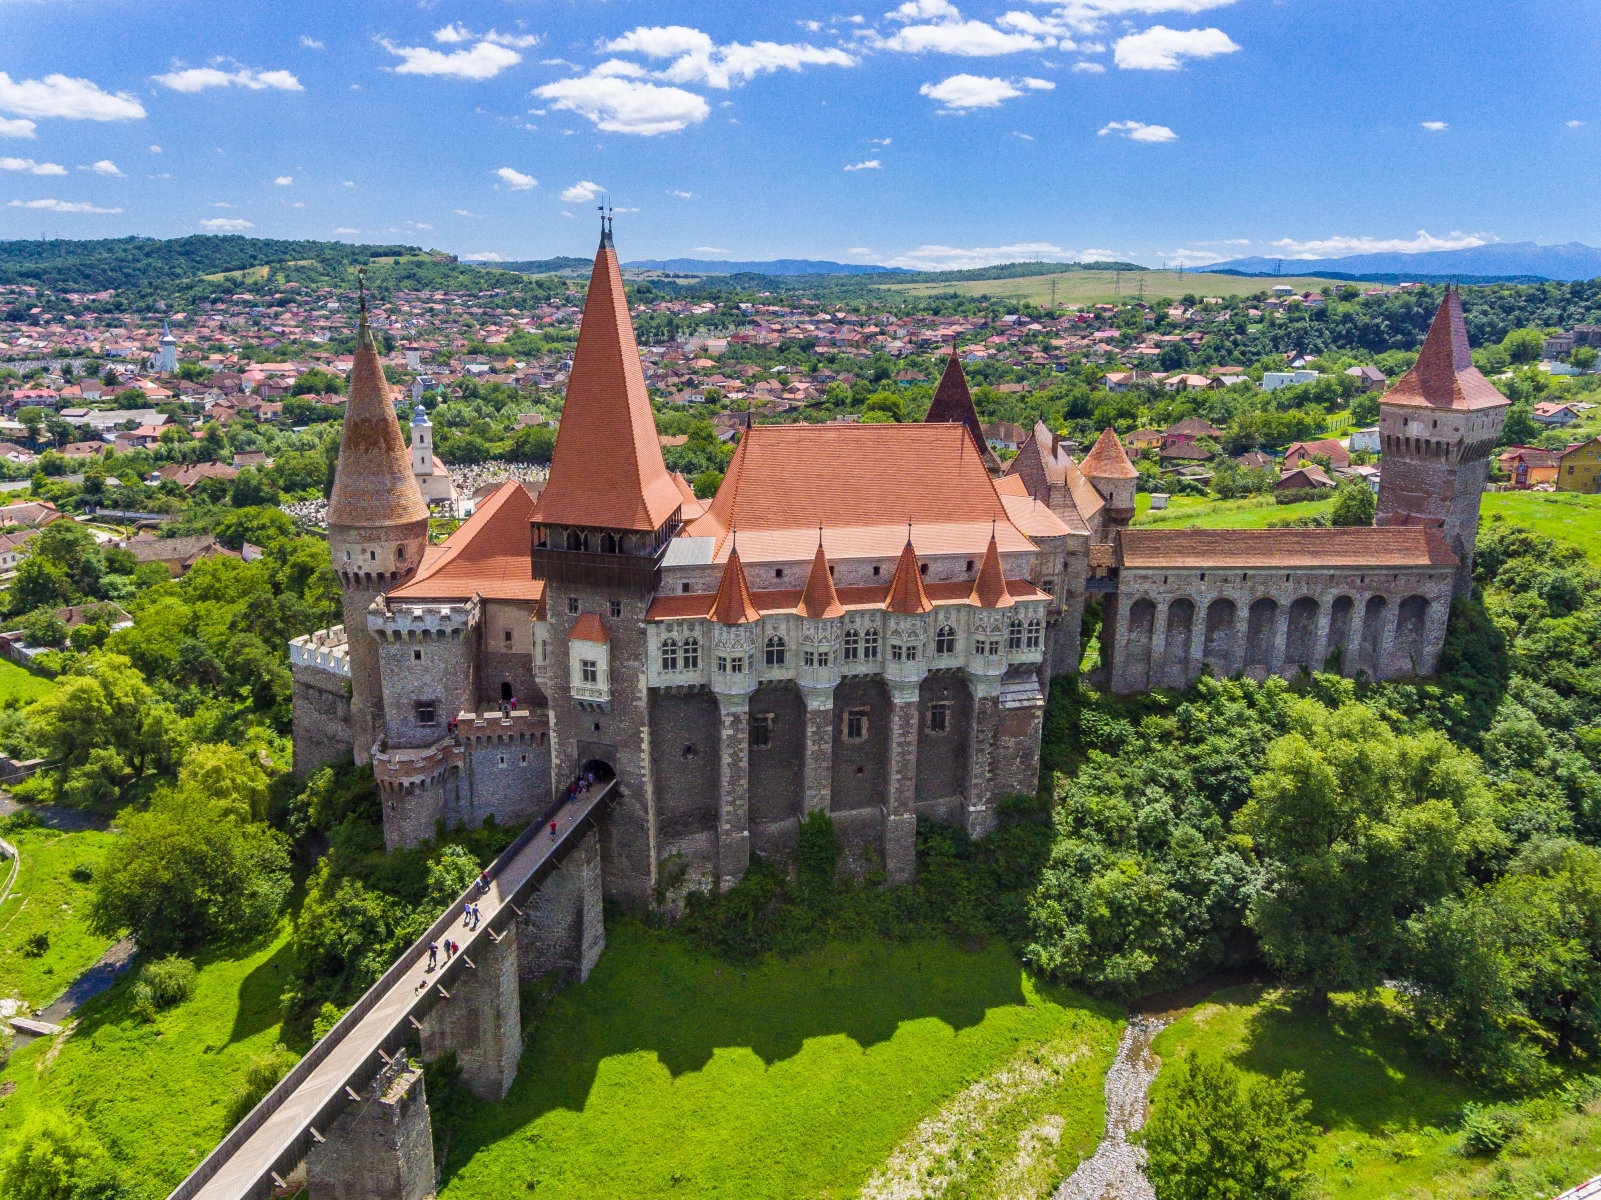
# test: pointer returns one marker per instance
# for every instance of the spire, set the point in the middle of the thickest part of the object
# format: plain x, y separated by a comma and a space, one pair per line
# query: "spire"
989, 589
1107, 459
607, 469
954, 403
1444, 375
373, 483
363, 330
820, 600
906, 594
166, 331
732, 605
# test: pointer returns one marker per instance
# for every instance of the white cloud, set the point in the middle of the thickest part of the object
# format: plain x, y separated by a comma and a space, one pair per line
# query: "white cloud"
349, 183
581, 192
1435, 126
284, 181
62, 206
516, 180
959, 93
1093, 67
310, 43
155, 149
1337, 247
103, 167
1089, 16
462, 212
1160, 48
346, 229
871, 164
485, 256
222, 204
620, 105
1574, 124
953, 258
880, 141
1138, 131
482, 61
698, 59
198, 79
1027, 137
452, 34
227, 224
297, 204
937, 26
67, 98
1190, 258
710, 250
1097, 255
16, 129
859, 250
680, 195
31, 167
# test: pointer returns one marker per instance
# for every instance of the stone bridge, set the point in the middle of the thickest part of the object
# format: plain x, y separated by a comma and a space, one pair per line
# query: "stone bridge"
353, 1109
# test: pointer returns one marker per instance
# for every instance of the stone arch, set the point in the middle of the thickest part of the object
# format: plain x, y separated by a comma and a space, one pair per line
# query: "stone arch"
1339, 634
1411, 619
1221, 617
1141, 627
1260, 629
1373, 614
1301, 636
1176, 649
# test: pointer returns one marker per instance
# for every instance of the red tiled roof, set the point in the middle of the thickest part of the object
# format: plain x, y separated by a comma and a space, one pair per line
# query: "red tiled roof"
989, 589
906, 594
1444, 375
732, 605
787, 600
1107, 460
588, 628
819, 600
1267, 549
373, 483
487, 556
607, 469
954, 403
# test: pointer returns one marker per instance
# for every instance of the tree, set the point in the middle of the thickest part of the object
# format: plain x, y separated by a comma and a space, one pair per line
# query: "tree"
1216, 1134
44, 628
1365, 409
533, 443
55, 1157
31, 417
39, 583
317, 382
1524, 345
890, 404
1354, 503
706, 484
1583, 357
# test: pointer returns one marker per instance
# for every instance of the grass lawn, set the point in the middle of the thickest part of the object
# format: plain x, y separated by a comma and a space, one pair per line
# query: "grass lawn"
1389, 1114
1194, 512
48, 900
1097, 287
22, 684
157, 1095
1566, 516
668, 1072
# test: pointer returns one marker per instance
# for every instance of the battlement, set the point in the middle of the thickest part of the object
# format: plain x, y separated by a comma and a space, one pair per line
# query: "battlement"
493, 721
403, 769
400, 622
326, 650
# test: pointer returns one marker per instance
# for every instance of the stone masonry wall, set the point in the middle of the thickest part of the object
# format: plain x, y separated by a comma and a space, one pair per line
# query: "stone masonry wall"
684, 766
380, 1147
562, 927
942, 756
321, 719
778, 771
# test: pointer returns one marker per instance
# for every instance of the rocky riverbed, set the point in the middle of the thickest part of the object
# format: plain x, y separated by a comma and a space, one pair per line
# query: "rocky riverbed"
1116, 1170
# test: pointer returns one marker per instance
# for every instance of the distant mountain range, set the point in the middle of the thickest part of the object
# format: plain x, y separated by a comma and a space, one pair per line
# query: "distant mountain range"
1574, 260
776, 266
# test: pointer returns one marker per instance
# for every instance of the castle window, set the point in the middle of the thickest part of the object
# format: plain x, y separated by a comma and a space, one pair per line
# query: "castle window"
911, 652
608, 543
875, 570
969, 566
736, 665
923, 569
588, 671
822, 658
775, 651
895, 652
426, 712
684, 588
691, 654
870, 644
978, 645
945, 640
761, 730
855, 724
503, 760
853, 645
995, 645
347, 555
400, 553
1014, 635
373, 555
1048, 587
722, 664
688, 751
808, 658
778, 573
525, 760
616, 609
1035, 629
939, 716
670, 655
416, 656
508, 635
572, 605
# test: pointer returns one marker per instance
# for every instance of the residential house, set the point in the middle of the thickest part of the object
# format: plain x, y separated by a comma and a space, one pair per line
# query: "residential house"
31, 514
189, 476
13, 548
1272, 381
1254, 459
177, 554
1184, 452
1548, 412
1529, 466
1309, 476
1003, 435
1580, 467
1303, 452
1371, 378
1174, 382
1143, 439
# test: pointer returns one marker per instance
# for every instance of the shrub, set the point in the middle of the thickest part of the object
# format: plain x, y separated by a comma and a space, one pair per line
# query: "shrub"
163, 983
1486, 1130
35, 944
55, 1157
261, 1075
326, 1019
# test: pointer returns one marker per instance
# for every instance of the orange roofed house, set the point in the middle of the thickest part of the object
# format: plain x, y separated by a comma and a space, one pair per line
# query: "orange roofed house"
863, 621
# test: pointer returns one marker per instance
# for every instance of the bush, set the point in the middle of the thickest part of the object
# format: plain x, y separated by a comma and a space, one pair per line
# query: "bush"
326, 1019
1301, 495
55, 1157
1354, 503
164, 983
262, 1073
1486, 1130
35, 944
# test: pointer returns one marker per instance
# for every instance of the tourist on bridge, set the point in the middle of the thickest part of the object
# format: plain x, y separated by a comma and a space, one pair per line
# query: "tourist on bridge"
433, 955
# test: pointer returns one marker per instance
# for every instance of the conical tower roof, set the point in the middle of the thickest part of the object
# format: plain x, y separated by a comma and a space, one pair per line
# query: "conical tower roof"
953, 402
1444, 375
1107, 459
820, 600
732, 605
989, 589
607, 469
373, 483
906, 594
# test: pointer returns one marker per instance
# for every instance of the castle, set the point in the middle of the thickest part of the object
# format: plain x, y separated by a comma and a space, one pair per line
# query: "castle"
864, 620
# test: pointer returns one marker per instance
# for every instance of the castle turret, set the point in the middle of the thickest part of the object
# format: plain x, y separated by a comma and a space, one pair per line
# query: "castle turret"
1109, 471
1437, 427
953, 402
377, 527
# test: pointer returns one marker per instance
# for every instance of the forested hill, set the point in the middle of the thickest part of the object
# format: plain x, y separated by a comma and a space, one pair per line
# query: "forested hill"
92, 266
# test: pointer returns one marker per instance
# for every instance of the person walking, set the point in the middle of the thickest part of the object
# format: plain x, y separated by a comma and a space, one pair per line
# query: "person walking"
433, 955
553, 829
483, 881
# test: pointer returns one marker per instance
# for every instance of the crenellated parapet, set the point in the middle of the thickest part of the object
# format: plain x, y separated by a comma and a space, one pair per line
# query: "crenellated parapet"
392, 621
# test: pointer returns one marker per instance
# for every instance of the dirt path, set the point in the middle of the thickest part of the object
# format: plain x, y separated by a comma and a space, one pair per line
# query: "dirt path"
1115, 1171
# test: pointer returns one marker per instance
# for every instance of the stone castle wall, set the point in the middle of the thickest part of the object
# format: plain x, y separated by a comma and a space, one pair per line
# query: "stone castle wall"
321, 718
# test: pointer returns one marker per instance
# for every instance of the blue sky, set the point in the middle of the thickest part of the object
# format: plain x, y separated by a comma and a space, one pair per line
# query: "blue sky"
938, 133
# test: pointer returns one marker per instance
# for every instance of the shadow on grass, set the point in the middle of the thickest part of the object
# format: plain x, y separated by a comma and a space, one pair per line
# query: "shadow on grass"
1363, 1070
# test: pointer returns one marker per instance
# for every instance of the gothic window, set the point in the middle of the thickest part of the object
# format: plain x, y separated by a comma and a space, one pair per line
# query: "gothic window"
853, 645
400, 553
761, 729
809, 658
608, 543
939, 716
670, 655
1035, 629
911, 652
775, 651
1014, 635
691, 654
978, 645
870, 644
736, 665
722, 664
822, 658
895, 652
575, 540
945, 640
855, 724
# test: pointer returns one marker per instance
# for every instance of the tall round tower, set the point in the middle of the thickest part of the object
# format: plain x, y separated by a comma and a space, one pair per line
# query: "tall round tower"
1108, 469
377, 527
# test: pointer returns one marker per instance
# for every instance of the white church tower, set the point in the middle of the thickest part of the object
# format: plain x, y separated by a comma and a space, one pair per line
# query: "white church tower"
432, 477
167, 361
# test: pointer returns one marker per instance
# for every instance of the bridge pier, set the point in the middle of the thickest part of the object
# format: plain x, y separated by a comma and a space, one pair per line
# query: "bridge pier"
562, 926
482, 1019
381, 1148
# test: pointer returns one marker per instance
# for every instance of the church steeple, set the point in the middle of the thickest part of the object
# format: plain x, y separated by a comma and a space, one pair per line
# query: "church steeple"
954, 402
